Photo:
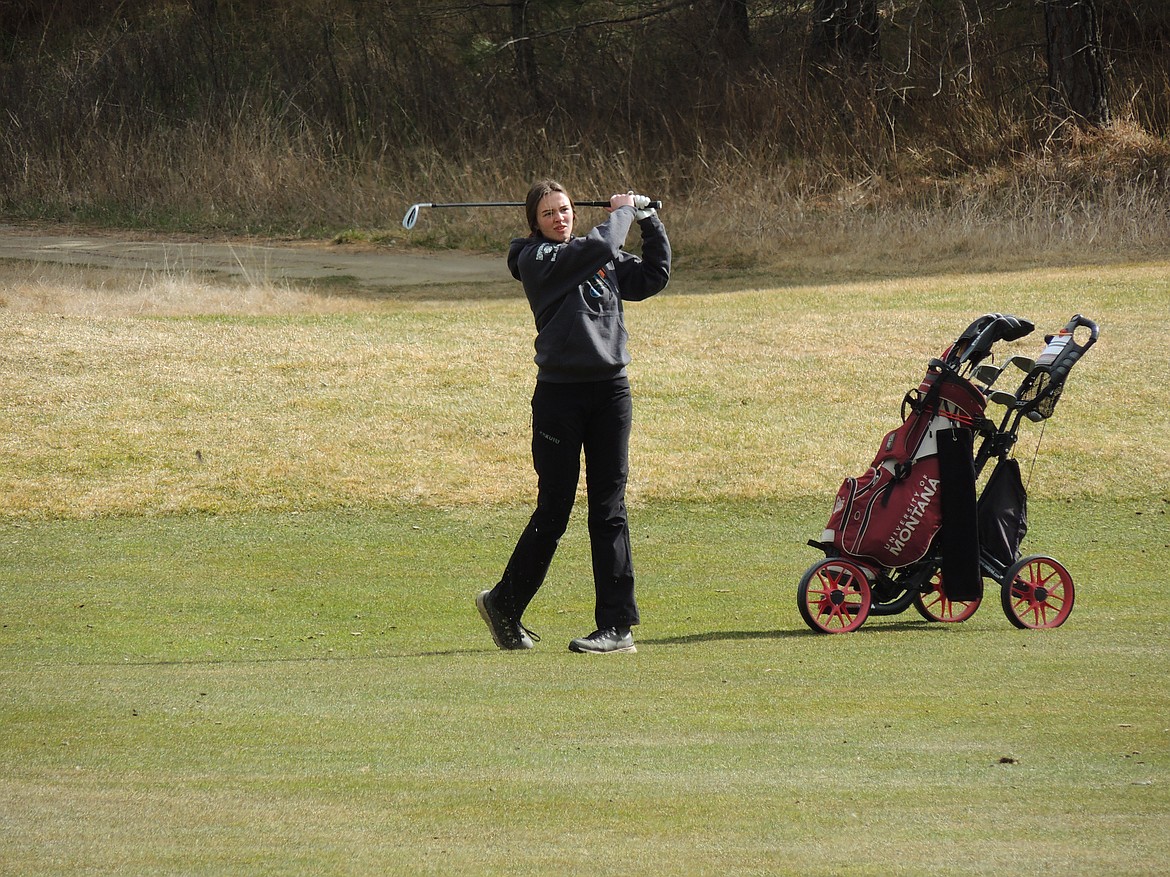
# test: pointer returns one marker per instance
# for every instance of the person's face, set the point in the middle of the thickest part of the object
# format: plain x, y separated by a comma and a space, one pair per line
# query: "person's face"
554, 216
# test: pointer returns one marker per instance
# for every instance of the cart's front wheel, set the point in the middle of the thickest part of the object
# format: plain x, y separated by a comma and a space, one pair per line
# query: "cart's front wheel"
1037, 593
933, 604
833, 596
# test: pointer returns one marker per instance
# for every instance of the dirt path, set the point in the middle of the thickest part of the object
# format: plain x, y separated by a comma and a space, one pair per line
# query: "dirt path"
254, 261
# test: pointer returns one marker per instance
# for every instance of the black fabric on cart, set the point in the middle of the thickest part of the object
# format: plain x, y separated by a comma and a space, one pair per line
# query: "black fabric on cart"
1003, 513
959, 534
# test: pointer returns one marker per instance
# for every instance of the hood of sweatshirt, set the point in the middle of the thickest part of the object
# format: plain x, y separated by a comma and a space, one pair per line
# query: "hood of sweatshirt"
517, 247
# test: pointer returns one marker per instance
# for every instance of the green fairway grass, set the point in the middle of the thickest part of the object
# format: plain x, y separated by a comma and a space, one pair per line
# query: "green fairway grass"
239, 555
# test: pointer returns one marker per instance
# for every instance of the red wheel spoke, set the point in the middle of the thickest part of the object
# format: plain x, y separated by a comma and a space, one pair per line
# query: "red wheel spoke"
1037, 593
934, 605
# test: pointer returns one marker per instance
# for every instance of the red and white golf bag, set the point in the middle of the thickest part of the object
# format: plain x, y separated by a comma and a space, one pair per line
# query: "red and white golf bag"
923, 475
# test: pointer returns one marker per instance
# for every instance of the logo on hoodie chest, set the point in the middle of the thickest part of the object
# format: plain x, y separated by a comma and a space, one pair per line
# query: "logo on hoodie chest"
596, 286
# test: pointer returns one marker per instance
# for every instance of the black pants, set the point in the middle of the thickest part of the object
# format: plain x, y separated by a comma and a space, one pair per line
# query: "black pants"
566, 419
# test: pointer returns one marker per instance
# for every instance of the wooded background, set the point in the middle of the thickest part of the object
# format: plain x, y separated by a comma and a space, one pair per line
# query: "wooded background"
293, 113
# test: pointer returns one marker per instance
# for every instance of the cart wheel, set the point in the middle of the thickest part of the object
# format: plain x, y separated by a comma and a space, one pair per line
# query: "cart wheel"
933, 604
833, 596
1037, 593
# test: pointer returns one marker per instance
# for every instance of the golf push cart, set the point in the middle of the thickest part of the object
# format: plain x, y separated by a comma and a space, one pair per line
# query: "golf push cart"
914, 531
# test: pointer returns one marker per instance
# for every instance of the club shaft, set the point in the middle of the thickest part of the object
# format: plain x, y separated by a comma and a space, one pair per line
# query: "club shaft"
653, 203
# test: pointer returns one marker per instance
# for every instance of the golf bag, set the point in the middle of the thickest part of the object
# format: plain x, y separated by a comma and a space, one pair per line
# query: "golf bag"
921, 481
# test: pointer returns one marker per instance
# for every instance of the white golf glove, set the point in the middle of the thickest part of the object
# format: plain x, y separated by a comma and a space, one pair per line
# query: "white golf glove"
642, 208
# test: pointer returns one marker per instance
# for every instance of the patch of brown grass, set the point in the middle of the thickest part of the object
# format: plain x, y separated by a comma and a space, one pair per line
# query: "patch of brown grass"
767, 392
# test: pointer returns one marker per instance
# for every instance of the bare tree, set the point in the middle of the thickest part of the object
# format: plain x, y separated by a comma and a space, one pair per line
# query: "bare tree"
1076, 67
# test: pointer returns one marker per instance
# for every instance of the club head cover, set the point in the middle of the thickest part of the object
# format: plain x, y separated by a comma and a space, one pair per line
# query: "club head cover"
958, 351
1014, 328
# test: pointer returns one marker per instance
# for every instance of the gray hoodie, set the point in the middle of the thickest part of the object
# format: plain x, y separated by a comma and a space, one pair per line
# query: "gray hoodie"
576, 290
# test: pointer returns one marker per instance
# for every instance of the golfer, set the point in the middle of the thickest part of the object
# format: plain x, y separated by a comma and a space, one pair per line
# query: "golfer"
576, 287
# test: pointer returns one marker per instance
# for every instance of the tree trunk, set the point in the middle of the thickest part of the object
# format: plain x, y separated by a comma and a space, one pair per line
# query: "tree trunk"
1076, 67
525, 63
845, 30
732, 26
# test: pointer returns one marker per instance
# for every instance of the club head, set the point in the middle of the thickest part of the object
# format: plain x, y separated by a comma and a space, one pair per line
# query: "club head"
989, 374
411, 217
1003, 397
986, 374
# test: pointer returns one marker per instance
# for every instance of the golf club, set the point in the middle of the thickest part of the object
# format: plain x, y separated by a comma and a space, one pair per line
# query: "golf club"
1003, 397
411, 217
989, 374
986, 375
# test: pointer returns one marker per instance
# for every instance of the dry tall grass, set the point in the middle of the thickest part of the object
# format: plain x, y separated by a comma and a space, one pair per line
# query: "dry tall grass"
725, 205
334, 116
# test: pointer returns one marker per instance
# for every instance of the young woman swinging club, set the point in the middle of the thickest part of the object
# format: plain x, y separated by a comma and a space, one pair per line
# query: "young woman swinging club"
576, 287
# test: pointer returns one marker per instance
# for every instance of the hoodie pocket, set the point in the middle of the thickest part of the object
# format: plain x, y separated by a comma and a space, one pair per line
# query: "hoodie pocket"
583, 341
